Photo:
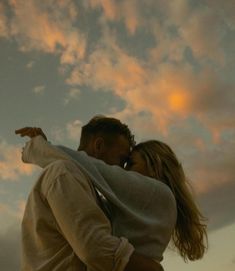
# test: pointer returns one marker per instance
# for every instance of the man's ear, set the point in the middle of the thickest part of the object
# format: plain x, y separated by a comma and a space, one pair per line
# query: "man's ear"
98, 146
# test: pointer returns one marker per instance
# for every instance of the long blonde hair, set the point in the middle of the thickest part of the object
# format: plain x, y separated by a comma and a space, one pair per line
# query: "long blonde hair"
189, 235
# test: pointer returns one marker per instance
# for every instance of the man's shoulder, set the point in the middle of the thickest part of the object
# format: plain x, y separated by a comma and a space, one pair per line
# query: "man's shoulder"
60, 166
51, 173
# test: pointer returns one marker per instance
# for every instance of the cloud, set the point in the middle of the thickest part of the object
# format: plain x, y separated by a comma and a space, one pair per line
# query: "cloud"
3, 22
73, 129
39, 89
116, 11
217, 204
47, 27
10, 248
15, 211
20, 208
184, 89
204, 41
30, 64
225, 10
73, 94
169, 92
10, 234
188, 21
11, 167
109, 7
70, 131
212, 167
57, 134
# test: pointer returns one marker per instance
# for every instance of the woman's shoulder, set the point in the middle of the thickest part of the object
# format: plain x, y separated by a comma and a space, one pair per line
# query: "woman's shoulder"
164, 192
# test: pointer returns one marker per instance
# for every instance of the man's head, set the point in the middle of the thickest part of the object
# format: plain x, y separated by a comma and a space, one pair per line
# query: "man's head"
107, 139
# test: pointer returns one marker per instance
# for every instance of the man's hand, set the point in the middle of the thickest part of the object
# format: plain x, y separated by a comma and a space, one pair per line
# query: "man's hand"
30, 132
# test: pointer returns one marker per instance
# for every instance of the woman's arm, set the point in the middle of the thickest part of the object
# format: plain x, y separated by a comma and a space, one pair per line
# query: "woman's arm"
110, 180
38, 150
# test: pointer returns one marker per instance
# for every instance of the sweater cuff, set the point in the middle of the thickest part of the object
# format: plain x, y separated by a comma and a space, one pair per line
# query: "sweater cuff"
122, 255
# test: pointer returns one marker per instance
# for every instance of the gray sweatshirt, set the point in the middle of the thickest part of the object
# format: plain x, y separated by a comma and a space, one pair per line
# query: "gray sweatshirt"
143, 209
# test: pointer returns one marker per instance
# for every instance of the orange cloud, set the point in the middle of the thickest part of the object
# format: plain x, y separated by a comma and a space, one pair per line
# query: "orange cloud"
177, 101
131, 15
109, 7
190, 23
48, 28
3, 22
126, 11
165, 92
204, 41
199, 28
170, 92
164, 83
11, 167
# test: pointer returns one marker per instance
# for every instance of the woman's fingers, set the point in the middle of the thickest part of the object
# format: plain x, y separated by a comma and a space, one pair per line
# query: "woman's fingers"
21, 130
30, 132
24, 131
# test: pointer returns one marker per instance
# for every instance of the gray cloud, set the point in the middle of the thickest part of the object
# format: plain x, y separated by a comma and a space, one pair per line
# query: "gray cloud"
218, 206
10, 248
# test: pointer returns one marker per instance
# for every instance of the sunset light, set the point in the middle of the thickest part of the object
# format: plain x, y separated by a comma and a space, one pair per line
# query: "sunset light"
165, 68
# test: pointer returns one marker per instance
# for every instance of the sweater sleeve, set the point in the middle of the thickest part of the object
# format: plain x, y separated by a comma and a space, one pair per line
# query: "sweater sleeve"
40, 152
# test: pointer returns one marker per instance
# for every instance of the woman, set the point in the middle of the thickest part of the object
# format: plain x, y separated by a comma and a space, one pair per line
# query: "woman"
148, 209
156, 159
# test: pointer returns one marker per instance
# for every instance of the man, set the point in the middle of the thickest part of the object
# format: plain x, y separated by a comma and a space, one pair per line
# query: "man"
73, 239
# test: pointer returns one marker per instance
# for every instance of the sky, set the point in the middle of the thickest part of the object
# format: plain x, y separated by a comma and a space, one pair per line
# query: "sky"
166, 68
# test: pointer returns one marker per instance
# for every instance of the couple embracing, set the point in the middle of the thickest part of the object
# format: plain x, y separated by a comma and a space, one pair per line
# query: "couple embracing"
110, 205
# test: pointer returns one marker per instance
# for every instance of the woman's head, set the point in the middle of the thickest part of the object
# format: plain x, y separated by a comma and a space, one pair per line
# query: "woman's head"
156, 159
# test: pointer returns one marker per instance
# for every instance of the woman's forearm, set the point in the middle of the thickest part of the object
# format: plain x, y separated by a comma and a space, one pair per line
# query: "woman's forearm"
40, 152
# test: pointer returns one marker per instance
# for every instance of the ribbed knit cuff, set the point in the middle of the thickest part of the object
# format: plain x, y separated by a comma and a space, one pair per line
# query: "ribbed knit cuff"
122, 255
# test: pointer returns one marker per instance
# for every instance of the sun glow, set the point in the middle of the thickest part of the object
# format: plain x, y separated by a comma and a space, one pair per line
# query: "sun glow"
177, 101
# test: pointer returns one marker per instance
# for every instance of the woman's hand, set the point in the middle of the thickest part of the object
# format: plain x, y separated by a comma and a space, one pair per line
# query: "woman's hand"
30, 132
